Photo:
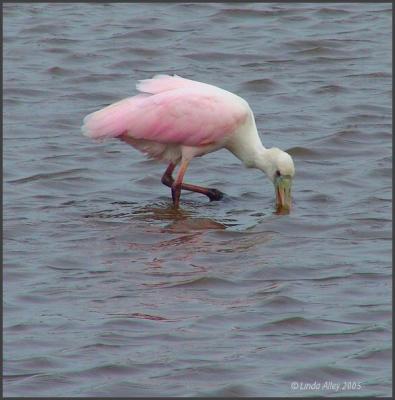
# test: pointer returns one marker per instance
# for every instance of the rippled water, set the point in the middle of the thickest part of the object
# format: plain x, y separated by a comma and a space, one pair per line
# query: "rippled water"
108, 291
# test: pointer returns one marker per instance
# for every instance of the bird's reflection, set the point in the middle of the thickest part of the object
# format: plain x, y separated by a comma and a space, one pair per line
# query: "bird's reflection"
171, 219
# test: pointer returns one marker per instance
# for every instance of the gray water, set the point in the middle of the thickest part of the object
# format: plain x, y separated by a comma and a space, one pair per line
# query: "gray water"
110, 292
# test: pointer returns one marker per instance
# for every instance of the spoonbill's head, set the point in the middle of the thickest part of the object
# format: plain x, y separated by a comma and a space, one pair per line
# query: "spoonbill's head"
280, 169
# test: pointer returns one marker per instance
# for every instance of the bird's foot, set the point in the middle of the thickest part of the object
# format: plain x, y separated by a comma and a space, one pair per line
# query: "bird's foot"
214, 194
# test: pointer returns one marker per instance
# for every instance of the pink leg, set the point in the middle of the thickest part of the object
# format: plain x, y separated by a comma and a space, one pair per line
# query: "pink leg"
167, 178
211, 193
176, 186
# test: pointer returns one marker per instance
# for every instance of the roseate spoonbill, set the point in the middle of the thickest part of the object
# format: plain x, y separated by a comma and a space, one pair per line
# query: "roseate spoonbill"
176, 119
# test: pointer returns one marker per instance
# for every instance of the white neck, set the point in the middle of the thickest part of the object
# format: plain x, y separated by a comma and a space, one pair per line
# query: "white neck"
246, 145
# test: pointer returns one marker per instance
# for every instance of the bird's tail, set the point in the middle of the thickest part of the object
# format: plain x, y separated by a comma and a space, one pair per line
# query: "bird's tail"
111, 121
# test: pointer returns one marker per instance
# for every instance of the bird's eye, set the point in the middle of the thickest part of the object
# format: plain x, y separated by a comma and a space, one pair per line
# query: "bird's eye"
278, 173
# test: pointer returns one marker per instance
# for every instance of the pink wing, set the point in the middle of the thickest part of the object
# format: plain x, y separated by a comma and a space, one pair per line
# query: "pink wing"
110, 121
181, 112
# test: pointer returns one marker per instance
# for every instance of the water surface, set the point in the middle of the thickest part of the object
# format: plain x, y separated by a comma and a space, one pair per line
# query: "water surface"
110, 292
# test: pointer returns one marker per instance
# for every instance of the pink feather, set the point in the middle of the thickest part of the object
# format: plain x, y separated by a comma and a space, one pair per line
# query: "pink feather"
176, 111
163, 83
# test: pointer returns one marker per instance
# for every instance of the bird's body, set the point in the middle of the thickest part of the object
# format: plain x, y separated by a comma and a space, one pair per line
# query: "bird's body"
176, 119
178, 113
